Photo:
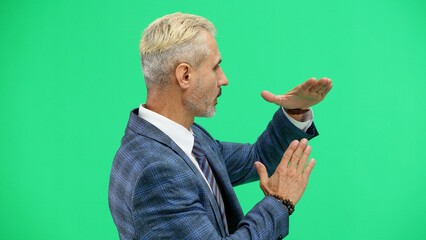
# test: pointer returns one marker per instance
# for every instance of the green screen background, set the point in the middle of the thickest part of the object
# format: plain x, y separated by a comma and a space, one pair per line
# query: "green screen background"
70, 74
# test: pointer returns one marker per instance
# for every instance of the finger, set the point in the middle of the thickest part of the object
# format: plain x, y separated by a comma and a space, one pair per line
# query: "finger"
327, 90
295, 158
261, 170
308, 84
304, 159
319, 84
321, 90
263, 176
308, 169
288, 153
270, 97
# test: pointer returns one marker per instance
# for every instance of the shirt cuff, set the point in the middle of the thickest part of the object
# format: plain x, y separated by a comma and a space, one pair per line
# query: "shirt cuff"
307, 119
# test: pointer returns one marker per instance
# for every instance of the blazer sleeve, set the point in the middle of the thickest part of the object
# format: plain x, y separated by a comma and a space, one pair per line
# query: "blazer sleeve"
268, 149
165, 205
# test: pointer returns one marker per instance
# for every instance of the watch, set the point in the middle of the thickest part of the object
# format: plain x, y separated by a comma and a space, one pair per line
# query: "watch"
296, 111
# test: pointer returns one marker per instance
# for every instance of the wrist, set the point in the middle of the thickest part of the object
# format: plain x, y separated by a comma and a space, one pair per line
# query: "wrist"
285, 201
296, 111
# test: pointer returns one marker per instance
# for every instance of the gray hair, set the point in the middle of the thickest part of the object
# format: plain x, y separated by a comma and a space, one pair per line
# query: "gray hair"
169, 41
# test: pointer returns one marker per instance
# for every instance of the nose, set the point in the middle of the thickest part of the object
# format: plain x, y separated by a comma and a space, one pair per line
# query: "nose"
222, 80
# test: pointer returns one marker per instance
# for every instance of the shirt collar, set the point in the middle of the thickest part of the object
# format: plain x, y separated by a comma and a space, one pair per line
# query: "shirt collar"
183, 137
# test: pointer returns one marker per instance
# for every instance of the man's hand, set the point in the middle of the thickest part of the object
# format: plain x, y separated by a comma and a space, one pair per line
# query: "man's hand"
290, 178
302, 96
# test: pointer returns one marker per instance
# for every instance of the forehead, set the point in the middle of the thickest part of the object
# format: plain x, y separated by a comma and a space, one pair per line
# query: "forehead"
212, 45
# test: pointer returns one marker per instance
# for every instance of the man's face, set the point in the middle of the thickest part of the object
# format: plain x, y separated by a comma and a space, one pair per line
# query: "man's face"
202, 97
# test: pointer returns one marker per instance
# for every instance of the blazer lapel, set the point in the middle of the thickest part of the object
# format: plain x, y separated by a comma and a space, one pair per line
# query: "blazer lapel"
210, 196
232, 206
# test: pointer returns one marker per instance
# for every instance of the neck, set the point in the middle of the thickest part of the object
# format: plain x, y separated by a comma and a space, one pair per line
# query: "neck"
170, 107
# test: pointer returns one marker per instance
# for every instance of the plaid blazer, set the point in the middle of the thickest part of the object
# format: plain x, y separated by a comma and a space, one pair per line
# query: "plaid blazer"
156, 192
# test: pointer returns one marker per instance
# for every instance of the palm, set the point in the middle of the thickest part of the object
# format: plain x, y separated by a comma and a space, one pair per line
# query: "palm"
302, 96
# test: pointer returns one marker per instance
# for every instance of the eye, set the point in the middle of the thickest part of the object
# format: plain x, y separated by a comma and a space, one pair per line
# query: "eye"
216, 67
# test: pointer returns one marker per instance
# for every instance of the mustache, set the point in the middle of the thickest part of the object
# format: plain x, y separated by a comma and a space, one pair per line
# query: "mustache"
220, 92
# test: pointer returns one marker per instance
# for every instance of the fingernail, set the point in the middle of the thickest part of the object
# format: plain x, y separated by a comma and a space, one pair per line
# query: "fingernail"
304, 141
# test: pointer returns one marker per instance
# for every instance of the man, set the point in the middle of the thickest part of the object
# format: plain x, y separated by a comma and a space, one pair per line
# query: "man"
171, 180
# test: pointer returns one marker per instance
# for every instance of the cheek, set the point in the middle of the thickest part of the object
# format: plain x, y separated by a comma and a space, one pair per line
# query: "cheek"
213, 88
213, 81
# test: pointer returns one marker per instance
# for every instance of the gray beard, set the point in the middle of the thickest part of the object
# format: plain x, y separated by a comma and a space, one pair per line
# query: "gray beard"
198, 103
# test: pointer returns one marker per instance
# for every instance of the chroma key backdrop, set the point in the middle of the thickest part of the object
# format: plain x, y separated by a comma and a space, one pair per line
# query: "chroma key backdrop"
70, 74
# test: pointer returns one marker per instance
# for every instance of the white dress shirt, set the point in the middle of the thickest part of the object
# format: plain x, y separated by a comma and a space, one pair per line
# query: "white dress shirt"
184, 138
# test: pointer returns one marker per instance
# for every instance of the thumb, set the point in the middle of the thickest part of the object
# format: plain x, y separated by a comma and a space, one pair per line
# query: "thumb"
270, 97
261, 170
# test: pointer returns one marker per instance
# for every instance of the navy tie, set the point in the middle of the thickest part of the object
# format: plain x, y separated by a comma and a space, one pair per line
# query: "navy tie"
200, 155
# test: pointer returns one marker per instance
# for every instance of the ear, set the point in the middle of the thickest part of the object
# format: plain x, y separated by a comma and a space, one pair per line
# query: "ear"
184, 74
